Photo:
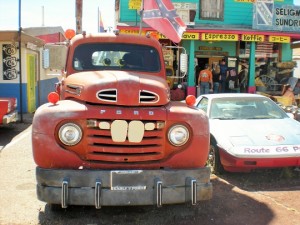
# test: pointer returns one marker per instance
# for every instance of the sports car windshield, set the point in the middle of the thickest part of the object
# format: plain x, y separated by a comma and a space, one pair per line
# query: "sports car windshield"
106, 56
245, 108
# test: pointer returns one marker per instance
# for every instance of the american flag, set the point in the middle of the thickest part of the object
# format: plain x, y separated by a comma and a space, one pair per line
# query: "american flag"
161, 16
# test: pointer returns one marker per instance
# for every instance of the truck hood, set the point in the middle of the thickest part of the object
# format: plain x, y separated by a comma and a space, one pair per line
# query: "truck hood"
117, 88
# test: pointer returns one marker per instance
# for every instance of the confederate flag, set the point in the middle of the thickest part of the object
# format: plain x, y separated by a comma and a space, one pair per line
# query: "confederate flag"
161, 16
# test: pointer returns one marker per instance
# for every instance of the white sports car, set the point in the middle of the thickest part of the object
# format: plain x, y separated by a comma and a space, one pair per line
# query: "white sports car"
249, 131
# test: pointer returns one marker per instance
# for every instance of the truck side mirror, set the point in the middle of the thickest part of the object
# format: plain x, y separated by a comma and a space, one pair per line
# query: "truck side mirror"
45, 58
54, 57
183, 63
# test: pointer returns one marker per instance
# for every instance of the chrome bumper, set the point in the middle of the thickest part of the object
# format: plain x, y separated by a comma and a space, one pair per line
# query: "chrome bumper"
123, 187
11, 117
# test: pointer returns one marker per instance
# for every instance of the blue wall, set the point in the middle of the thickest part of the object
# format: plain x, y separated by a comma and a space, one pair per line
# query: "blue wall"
13, 90
46, 86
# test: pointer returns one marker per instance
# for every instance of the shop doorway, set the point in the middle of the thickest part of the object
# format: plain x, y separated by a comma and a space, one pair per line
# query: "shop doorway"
31, 82
202, 60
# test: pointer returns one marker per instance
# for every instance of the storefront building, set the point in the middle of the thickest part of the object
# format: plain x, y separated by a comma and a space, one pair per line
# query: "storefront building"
22, 73
258, 34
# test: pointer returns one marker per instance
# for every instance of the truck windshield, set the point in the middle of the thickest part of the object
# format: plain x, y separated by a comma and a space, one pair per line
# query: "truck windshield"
104, 56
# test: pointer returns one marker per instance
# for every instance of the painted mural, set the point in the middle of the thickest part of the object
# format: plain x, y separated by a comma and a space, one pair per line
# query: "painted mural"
10, 62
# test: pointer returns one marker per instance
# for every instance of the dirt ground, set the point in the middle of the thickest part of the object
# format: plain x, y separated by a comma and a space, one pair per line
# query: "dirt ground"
258, 198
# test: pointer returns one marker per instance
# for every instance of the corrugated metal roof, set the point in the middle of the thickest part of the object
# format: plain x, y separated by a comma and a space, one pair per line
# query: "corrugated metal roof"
36, 31
25, 38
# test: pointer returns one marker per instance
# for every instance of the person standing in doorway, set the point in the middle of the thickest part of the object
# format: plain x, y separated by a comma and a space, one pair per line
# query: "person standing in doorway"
243, 76
216, 77
224, 75
205, 80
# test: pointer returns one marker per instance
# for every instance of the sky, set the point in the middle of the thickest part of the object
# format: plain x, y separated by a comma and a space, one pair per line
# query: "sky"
56, 13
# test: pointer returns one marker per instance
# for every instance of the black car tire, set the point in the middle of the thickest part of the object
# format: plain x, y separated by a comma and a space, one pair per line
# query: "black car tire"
214, 160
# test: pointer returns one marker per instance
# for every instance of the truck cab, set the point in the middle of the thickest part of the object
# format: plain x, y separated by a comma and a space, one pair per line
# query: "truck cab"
113, 137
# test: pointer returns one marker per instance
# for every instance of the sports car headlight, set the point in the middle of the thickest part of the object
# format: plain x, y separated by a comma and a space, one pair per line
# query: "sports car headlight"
70, 134
178, 135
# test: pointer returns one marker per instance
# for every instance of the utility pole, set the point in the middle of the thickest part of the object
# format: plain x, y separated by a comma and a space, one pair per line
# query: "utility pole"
78, 16
20, 60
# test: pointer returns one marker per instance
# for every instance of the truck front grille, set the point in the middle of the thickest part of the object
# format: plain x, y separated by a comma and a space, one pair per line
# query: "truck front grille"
125, 141
107, 95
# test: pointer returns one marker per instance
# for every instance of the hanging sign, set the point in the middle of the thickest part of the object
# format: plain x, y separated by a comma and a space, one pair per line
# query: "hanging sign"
253, 37
137, 32
270, 16
279, 39
190, 36
135, 4
219, 37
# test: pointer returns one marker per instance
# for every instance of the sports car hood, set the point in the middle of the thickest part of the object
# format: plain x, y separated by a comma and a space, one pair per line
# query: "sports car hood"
117, 88
258, 132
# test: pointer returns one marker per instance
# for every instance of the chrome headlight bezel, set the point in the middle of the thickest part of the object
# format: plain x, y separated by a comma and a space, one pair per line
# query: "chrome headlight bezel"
70, 134
178, 135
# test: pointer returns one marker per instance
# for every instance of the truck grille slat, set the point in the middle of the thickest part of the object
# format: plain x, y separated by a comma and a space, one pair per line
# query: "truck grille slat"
102, 147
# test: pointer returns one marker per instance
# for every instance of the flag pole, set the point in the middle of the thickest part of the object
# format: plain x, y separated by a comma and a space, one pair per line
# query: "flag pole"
141, 16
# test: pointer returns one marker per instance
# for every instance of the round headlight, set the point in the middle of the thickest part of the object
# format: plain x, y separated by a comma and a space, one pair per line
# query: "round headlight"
178, 135
70, 134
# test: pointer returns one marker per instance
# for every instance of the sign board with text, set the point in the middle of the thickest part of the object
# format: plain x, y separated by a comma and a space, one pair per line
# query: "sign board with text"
135, 4
253, 37
219, 37
277, 17
279, 39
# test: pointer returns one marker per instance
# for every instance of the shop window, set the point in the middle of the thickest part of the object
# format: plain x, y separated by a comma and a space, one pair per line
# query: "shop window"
212, 9
266, 57
265, 52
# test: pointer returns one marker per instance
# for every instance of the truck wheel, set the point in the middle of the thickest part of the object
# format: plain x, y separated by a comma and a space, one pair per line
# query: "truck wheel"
214, 161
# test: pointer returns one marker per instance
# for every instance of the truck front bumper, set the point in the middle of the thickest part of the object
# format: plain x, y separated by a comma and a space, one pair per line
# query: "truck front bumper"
11, 117
123, 187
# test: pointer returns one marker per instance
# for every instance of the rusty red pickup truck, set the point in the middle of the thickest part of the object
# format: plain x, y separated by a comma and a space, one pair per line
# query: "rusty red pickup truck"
113, 137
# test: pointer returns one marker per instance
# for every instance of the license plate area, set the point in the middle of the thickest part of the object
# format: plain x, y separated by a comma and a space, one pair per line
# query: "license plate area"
127, 180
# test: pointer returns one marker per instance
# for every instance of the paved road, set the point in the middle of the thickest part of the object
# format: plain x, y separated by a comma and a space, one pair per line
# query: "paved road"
256, 198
